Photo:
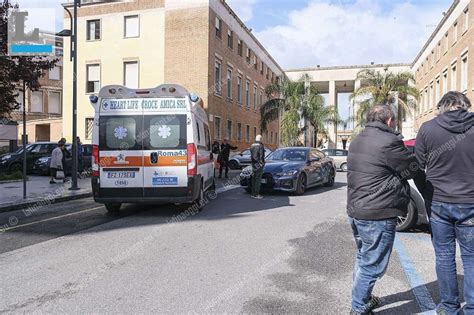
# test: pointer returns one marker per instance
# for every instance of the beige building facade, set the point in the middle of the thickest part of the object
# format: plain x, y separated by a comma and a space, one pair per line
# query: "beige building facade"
200, 44
444, 64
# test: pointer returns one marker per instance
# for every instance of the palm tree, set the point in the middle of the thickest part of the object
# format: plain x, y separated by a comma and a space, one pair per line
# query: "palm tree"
384, 87
292, 101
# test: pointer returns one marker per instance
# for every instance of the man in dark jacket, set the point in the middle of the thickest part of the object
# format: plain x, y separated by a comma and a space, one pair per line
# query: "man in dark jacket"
223, 157
378, 192
257, 154
445, 146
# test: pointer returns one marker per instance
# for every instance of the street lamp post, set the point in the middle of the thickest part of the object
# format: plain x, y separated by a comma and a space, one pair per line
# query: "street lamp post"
72, 33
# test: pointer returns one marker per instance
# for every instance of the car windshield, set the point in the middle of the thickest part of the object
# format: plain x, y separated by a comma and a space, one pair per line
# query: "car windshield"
28, 149
288, 155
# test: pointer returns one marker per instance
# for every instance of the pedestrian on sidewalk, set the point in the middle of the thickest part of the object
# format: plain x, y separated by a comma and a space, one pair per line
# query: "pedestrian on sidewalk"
257, 154
445, 147
66, 155
379, 166
223, 157
80, 156
56, 161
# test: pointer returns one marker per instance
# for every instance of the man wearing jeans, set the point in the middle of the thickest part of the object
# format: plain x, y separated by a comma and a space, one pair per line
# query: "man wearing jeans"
257, 154
377, 193
445, 146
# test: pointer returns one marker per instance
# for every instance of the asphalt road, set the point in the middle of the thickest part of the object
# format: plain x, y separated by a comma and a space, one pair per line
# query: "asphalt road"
282, 254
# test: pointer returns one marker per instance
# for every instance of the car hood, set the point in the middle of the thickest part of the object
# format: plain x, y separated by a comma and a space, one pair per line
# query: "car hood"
281, 166
13, 155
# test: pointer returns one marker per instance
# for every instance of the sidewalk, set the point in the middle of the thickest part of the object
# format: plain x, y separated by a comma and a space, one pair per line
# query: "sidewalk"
40, 191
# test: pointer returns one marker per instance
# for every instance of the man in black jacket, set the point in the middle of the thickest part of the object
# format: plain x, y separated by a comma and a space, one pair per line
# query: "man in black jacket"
257, 154
223, 157
445, 146
377, 193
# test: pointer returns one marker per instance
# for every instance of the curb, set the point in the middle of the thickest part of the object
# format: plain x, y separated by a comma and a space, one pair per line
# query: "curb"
22, 205
11, 181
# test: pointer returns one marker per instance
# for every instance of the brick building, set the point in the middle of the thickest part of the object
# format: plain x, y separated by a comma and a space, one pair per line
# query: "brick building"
200, 44
443, 64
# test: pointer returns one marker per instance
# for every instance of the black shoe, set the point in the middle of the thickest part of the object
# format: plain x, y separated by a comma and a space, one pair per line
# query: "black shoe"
374, 302
52, 182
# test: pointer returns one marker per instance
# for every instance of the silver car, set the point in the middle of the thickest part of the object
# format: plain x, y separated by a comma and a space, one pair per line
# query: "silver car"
339, 156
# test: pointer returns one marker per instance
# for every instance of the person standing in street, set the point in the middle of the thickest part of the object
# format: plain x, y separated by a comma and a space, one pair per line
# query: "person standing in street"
223, 157
80, 156
257, 153
445, 147
56, 161
379, 166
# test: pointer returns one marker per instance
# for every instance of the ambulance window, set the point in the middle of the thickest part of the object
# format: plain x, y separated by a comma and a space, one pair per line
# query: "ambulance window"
118, 133
167, 132
208, 137
198, 132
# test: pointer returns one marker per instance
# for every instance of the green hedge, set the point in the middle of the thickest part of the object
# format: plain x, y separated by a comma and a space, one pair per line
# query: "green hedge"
11, 176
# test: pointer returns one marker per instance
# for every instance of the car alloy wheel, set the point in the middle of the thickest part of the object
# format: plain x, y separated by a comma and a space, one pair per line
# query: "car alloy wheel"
344, 167
406, 222
301, 184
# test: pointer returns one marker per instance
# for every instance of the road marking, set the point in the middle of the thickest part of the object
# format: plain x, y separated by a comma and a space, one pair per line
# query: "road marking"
50, 219
422, 295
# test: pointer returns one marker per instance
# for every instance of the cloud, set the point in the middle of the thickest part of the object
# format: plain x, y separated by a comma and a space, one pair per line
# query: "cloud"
243, 8
348, 33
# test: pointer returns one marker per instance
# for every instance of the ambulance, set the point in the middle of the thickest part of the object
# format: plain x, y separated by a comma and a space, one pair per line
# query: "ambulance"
150, 146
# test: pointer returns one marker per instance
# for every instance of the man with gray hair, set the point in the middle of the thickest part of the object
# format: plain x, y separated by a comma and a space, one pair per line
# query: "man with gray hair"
445, 147
257, 154
377, 193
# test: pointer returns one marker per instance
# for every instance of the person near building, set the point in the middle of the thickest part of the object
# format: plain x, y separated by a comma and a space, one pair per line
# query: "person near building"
223, 157
257, 153
56, 162
379, 166
445, 147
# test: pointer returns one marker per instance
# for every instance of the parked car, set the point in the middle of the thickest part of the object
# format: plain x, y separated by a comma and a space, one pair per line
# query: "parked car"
41, 165
417, 214
12, 162
293, 169
243, 159
339, 157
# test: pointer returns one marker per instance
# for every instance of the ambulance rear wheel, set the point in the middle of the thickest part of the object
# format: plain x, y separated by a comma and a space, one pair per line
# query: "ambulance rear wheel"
113, 207
199, 202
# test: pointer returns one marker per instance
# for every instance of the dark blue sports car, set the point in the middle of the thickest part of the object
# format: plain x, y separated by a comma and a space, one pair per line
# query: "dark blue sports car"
293, 169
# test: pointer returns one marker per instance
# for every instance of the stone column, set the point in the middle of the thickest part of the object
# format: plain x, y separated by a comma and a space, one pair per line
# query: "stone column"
332, 102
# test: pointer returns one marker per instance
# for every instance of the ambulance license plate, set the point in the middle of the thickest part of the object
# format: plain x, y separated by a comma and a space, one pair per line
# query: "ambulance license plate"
121, 175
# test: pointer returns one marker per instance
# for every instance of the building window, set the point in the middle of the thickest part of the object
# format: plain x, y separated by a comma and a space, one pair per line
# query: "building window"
218, 78
217, 127
453, 77
19, 100
37, 102
267, 74
249, 54
438, 52
261, 67
131, 26
130, 74
247, 94
230, 39
229, 84
466, 19
93, 30
437, 91
255, 62
464, 73
93, 79
446, 42
271, 137
247, 134
455, 32
261, 97
427, 100
54, 103
89, 128
55, 73
445, 82
254, 133
431, 96
239, 48
218, 27
239, 132
229, 130
276, 137
255, 89
239, 90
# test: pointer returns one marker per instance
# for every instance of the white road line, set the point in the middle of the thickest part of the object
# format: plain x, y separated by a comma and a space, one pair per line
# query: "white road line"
50, 219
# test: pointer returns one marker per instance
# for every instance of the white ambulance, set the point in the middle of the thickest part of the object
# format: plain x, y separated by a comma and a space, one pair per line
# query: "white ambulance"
150, 146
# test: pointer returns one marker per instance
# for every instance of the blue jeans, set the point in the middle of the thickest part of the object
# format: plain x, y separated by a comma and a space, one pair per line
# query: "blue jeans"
374, 240
451, 222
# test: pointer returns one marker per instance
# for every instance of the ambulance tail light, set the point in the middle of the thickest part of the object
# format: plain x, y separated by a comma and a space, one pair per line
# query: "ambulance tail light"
95, 161
192, 159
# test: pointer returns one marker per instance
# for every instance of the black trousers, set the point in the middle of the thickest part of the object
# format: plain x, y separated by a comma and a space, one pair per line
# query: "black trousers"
223, 164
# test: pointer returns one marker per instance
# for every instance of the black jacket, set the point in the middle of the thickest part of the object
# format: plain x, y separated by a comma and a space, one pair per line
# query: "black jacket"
445, 147
225, 152
379, 166
257, 154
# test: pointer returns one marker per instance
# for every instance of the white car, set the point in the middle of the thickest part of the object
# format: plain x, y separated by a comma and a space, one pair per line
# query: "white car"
416, 214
